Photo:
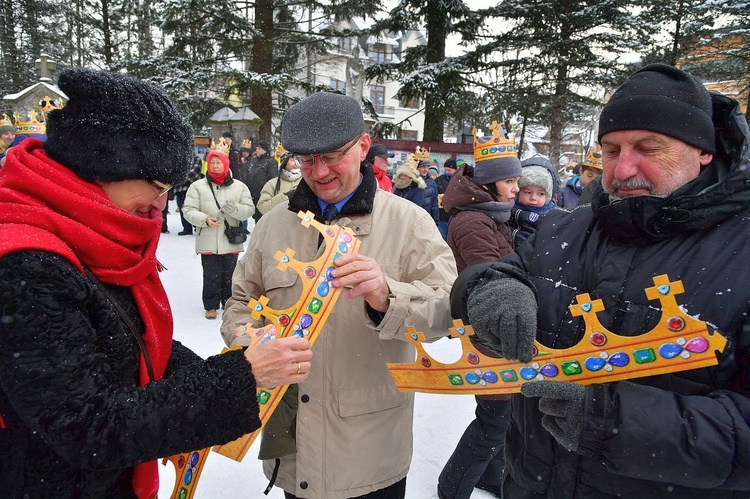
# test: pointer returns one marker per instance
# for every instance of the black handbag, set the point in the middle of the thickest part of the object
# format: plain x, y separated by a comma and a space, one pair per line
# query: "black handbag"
235, 235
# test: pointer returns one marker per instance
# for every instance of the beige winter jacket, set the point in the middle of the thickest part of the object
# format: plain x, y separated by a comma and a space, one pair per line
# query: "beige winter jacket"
353, 427
270, 198
200, 205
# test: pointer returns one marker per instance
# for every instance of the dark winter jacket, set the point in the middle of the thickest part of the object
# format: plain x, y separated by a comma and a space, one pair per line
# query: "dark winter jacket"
259, 170
415, 193
524, 221
568, 196
685, 434
73, 419
442, 186
473, 236
430, 196
235, 163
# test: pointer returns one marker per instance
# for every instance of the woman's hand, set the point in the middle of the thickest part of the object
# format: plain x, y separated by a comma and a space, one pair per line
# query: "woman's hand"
212, 222
282, 361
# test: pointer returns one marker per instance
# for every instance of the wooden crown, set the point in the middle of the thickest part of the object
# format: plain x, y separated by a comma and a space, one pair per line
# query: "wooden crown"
678, 343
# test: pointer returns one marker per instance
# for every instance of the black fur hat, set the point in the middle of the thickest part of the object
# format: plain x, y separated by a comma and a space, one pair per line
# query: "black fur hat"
116, 127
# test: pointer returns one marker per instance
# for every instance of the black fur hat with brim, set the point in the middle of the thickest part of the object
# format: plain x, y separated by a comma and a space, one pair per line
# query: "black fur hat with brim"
116, 127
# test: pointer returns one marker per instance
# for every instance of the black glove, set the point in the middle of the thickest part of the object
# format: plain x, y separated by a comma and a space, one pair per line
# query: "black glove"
502, 310
290, 193
562, 404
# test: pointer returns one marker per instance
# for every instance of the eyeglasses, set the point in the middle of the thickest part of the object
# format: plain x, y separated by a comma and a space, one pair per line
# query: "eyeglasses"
327, 158
163, 188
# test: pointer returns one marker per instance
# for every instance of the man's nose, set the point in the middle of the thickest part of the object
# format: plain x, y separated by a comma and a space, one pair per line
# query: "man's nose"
319, 169
160, 203
627, 165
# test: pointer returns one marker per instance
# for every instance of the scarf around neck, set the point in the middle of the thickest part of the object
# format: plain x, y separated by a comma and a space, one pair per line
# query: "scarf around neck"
497, 210
44, 206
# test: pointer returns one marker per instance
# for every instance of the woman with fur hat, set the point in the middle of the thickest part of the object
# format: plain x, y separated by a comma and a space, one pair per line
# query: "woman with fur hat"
92, 387
479, 200
280, 189
409, 184
537, 188
211, 204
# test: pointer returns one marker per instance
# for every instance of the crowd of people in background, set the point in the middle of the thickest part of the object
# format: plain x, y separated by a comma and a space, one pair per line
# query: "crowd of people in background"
503, 244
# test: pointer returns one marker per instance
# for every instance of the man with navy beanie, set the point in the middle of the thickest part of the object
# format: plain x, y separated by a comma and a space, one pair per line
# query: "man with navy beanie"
347, 433
674, 201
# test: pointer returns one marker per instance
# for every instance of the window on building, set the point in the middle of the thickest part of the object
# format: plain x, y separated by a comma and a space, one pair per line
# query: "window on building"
377, 96
338, 85
345, 45
411, 103
408, 135
378, 54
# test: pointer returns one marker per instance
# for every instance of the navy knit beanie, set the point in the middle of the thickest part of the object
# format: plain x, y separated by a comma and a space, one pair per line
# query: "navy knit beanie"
662, 99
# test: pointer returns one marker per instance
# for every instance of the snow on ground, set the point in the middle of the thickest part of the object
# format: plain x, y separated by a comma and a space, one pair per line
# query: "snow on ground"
438, 423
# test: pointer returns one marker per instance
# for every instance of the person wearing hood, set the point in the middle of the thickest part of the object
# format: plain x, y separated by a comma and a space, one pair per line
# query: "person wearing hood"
409, 184
211, 204
674, 204
591, 168
93, 389
479, 200
537, 188
280, 189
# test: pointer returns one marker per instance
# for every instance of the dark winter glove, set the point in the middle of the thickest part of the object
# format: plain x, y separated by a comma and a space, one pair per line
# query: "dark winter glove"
502, 311
290, 193
229, 208
562, 404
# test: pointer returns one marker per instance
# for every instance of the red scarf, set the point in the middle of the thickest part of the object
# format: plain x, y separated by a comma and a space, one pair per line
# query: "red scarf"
218, 178
383, 181
45, 206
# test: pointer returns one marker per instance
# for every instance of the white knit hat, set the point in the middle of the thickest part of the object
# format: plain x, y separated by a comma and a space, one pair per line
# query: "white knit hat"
539, 176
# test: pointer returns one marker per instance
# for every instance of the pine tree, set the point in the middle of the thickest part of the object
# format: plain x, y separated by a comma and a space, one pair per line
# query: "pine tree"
425, 72
558, 57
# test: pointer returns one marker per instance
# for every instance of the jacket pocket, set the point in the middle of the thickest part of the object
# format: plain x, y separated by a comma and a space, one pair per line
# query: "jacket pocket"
369, 400
274, 279
283, 289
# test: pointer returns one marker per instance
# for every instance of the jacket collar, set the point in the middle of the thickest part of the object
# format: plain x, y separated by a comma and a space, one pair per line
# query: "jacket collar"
361, 202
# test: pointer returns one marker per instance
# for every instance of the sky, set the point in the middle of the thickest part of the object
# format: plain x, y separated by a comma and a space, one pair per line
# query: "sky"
439, 420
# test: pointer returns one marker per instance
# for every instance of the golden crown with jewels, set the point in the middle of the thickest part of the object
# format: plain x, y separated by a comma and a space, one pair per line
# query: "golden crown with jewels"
421, 154
494, 146
279, 152
48, 104
678, 343
304, 319
34, 124
594, 159
5, 121
220, 146
36, 120
247, 144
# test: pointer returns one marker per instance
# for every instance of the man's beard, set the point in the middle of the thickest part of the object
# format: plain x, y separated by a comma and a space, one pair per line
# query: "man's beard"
631, 184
